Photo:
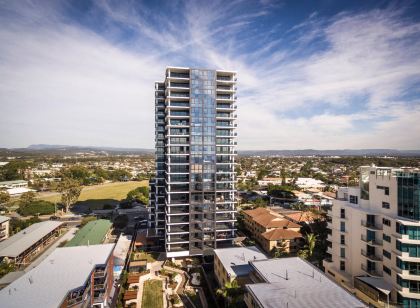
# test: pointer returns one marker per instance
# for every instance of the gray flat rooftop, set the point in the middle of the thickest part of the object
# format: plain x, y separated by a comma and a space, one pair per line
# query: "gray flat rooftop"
18, 243
47, 284
4, 219
236, 259
294, 283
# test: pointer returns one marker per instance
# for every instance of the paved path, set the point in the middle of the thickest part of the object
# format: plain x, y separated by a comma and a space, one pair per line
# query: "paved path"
67, 236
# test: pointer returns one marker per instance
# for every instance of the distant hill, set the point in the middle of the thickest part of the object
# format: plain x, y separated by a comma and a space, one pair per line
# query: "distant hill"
344, 152
69, 150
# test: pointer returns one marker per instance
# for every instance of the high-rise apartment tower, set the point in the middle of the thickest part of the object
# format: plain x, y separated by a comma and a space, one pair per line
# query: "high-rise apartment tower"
375, 237
192, 197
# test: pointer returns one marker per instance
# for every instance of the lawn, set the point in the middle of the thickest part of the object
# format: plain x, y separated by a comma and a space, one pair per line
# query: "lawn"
96, 196
152, 294
149, 256
109, 191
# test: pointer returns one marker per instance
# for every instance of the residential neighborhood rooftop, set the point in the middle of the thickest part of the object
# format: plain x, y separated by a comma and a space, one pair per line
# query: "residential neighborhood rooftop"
21, 241
48, 284
293, 282
281, 234
236, 260
93, 233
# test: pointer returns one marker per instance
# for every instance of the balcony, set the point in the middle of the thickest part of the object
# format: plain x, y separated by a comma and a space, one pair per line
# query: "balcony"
178, 229
225, 78
179, 85
222, 88
371, 256
178, 104
179, 75
371, 225
225, 226
224, 97
179, 94
179, 239
373, 242
371, 271
175, 248
225, 217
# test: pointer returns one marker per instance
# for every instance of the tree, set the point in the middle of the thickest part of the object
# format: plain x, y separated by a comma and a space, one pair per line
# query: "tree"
140, 194
303, 253
27, 198
311, 241
4, 197
231, 292
40, 207
121, 221
70, 191
14, 170
280, 251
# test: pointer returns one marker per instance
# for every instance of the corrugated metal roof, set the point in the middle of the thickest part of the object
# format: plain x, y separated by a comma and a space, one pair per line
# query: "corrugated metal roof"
293, 283
235, 260
18, 243
92, 234
63, 270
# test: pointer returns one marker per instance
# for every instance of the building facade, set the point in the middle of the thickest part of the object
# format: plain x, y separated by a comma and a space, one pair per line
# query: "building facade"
4, 227
193, 193
375, 237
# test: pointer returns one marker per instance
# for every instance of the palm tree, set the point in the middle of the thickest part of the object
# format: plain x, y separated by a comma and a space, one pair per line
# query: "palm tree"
230, 292
311, 241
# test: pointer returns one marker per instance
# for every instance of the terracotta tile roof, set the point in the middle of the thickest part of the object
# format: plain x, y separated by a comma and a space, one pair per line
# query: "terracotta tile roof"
269, 219
281, 234
130, 294
256, 212
302, 216
283, 223
265, 219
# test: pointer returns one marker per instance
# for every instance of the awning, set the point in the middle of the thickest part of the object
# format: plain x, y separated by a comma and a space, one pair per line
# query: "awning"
378, 283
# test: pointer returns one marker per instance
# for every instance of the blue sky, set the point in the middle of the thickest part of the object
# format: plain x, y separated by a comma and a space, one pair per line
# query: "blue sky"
311, 74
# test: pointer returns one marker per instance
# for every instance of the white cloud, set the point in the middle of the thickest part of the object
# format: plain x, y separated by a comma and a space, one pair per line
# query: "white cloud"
63, 83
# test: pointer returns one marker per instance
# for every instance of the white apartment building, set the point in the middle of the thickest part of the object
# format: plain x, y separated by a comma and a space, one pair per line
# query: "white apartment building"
375, 237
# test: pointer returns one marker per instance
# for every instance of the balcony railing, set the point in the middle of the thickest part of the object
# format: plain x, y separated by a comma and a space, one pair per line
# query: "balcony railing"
179, 85
371, 271
179, 75
179, 94
370, 225
371, 241
224, 78
371, 256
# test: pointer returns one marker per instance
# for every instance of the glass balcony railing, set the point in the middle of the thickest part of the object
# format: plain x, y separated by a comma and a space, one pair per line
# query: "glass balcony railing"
179, 75
179, 94
224, 78
179, 85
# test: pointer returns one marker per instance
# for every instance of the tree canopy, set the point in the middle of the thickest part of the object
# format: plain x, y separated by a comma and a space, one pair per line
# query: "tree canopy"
140, 194
70, 190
